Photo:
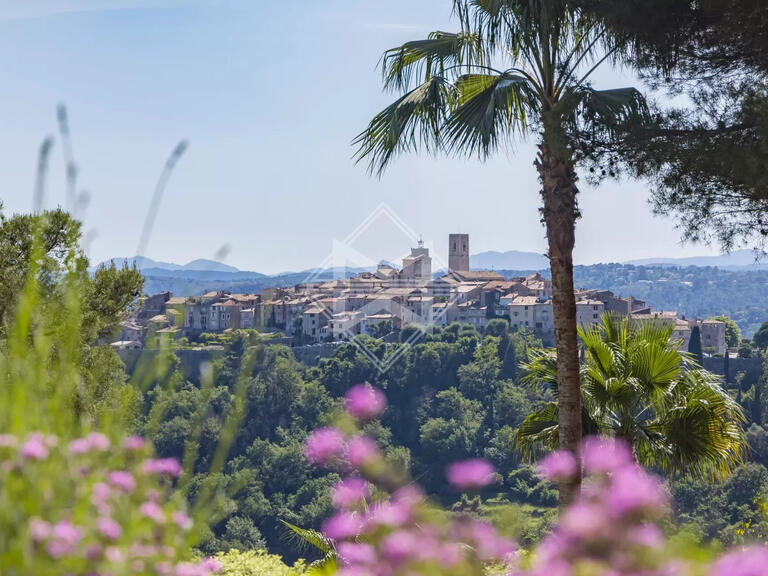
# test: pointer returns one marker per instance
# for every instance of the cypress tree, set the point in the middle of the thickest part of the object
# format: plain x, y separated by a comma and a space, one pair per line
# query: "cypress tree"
694, 345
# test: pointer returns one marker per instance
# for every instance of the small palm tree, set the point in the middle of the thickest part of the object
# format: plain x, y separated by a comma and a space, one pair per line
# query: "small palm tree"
515, 67
637, 385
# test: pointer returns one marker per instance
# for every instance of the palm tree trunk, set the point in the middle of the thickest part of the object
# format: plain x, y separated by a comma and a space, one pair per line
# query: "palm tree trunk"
560, 212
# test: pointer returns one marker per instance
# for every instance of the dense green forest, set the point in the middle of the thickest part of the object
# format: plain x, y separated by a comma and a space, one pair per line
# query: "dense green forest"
456, 394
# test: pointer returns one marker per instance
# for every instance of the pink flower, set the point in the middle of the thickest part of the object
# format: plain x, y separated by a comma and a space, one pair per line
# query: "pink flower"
122, 480
349, 493
362, 451
162, 466
470, 474
182, 520
79, 446
632, 490
39, 529
35, 448
100, 495
95, 441
113, 554
152, 511
108, 528
8, 441
602, 455
134, 443
64, 539
98, 441
484, 538
398, 546
585, 521
558, 466
342, 526
93, 552
646, 535
211, 564
751, 561
356, 553
364, 402
324, 445
389, 514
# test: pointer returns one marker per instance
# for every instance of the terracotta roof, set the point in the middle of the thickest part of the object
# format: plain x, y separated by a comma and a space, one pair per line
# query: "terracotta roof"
488, 275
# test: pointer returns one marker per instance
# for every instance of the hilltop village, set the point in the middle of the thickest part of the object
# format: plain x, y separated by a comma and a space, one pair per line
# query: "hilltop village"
382, 302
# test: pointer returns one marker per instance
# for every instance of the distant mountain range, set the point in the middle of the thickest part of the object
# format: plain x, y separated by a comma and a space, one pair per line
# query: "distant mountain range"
511, 260
199, 265
203, 275
738, 259
489, 260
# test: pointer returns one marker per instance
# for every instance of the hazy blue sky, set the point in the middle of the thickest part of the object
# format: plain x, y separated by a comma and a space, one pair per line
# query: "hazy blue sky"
269, 95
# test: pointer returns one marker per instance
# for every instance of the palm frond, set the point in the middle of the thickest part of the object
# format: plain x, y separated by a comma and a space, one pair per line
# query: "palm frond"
490, 108
413, 119
539, 429
419, 60
306, 538
602, 111
541, 370
702, 434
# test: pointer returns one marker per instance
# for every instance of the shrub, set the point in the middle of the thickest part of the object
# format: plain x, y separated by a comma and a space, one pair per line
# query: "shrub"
256, 563
88, 506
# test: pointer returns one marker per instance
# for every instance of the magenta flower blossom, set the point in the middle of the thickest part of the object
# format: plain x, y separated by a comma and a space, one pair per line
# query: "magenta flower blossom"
152, 511
134, 443
182, 520
64, 539
101, 493
356, 553
211, 564
113, 554
558, 466
8, 441
362, 451
324, 445
122, 480
399, 546
470, 474
162, 467
79, 446
108, 528
364, 402
342, 526
647, 536
35, 448
585, 521
39, 529
409, 496
751, 561
633, 490
98, 441
389, 514
602, 455
349, 493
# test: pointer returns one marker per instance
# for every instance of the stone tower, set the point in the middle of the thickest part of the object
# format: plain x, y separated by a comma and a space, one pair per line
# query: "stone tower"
458, 252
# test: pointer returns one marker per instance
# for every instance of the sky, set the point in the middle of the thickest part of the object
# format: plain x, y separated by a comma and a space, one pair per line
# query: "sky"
269, 96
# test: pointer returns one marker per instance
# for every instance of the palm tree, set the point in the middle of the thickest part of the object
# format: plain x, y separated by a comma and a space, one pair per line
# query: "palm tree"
637, 385
515, 67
